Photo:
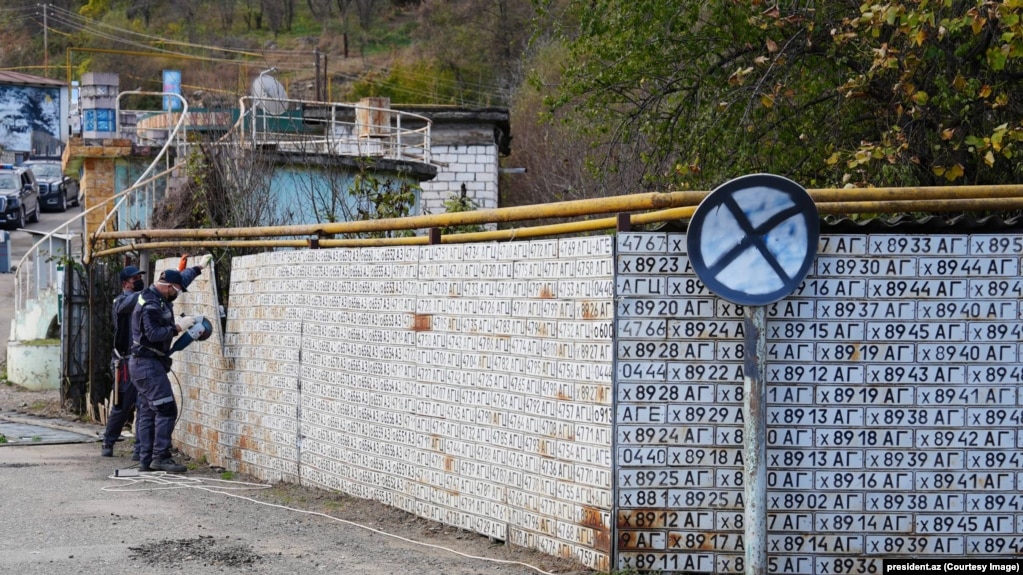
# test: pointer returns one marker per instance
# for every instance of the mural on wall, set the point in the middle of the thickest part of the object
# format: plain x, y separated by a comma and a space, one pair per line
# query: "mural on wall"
28, 110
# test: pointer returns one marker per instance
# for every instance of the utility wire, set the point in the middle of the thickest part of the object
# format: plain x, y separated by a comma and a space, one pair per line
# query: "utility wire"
463, 91
88, 21
18, 9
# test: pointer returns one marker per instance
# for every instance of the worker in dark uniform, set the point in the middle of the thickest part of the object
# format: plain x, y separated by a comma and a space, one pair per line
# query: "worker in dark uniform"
125, 394
153, 328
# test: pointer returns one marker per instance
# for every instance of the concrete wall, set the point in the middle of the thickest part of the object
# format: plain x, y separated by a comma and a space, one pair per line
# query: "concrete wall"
34, 364
33, 361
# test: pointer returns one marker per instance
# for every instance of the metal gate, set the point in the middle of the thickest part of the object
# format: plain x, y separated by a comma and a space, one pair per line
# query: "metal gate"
85, 351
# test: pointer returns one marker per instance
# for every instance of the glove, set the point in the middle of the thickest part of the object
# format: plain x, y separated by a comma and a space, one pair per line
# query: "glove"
198, 328
184, 322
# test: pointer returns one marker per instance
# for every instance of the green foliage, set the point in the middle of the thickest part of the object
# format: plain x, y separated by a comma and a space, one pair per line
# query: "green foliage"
461, 203
909, 92
697, 92
3, 438
227, 475
416, 82
95, 9
943, 79
382, 198
385, 38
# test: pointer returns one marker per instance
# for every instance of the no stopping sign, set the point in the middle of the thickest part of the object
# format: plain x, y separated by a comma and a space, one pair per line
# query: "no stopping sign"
753, 239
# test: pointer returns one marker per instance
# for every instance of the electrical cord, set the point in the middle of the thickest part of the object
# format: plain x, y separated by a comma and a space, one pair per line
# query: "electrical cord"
165, 481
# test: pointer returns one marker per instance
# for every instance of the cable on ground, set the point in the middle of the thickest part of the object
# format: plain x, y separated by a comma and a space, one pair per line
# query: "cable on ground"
160, 481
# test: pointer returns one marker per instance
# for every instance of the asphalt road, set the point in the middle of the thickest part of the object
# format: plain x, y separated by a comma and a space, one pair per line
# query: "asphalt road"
63, 512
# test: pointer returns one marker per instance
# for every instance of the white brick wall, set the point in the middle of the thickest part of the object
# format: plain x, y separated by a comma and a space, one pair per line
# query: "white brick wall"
475, 166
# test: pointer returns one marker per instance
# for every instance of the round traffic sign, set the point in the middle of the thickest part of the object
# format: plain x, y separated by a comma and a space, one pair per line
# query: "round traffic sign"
753, 239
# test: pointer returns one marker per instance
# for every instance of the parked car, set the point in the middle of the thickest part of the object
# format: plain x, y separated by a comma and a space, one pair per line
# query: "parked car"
19, 196
56, 190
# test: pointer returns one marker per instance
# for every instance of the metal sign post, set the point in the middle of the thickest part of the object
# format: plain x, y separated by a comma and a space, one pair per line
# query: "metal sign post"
752, 242
754, 385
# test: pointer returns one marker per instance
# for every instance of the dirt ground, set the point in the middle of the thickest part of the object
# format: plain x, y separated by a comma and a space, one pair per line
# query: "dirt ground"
18, 401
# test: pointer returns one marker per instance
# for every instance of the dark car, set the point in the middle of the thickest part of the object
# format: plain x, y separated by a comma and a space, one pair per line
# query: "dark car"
19, 196
56, 190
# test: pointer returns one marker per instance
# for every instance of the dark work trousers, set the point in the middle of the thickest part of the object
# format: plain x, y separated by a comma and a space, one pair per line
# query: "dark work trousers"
119, 413
158, 412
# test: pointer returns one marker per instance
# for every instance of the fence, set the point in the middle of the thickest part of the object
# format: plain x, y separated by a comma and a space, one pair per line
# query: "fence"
470, 383
561, 398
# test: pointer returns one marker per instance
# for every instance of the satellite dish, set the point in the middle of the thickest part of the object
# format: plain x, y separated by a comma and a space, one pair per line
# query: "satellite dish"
269, 95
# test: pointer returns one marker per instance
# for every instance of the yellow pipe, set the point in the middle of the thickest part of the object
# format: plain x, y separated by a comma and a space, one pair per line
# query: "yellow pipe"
571, 208
919, 199
683, 213
871, 200
668, 215
201, 244
914, 193
495, 235
375, 242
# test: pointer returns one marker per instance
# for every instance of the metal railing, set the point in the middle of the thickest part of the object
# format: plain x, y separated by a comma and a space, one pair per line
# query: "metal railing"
332, 128
301, 127
37, 270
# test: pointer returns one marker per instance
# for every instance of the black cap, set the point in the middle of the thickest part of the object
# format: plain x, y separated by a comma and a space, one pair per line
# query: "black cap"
131, 271
173, 277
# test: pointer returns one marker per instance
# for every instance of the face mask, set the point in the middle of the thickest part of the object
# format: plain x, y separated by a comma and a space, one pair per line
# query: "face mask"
170, 293
138, 285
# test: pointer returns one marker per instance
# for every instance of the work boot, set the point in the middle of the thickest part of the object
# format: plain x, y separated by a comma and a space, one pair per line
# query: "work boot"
106, 451
167, 464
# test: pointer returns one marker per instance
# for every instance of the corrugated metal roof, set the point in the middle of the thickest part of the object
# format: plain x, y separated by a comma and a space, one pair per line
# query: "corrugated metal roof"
942, 224
18, 78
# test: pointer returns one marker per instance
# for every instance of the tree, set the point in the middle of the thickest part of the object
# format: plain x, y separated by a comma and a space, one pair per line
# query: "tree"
477, 42
279, 14
552, 152
140, 9
943, 79
380, 197
909, 92
461, 203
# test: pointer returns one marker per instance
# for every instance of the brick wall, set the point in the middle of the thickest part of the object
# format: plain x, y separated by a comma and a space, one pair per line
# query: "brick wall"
474, 166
